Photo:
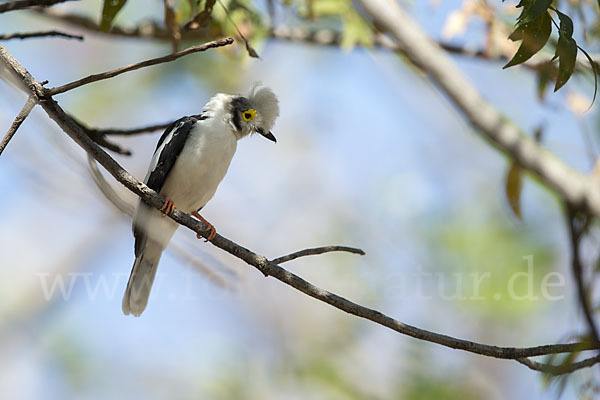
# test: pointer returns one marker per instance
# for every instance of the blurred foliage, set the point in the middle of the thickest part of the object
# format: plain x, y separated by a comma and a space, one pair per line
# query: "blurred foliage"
339, 13
423, 387
468, 250
71, 359
326, 374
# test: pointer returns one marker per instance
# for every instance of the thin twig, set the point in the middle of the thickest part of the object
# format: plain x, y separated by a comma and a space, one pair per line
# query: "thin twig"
150, 197
127, 132
582, 293
315, 251
99, 135
17, 122
133, 67
28, 35
559, 369
22, 4
249, 48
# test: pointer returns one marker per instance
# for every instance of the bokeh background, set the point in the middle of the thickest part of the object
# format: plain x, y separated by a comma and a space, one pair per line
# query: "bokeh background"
369, 154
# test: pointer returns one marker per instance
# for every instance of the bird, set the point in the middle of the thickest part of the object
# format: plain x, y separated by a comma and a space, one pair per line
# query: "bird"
191, 159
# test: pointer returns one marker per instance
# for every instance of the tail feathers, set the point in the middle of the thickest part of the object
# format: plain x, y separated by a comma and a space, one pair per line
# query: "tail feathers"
140, 282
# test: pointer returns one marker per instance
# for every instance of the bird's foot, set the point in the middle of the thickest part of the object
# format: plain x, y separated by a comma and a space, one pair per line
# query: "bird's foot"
210, 229
168, 207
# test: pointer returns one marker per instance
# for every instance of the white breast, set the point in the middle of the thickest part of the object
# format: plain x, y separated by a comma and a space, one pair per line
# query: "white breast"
201, 166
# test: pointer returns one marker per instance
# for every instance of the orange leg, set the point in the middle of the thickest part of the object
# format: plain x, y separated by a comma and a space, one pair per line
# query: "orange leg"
168, 207
211, 228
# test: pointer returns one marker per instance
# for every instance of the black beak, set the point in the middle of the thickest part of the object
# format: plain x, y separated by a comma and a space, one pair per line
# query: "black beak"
267, 135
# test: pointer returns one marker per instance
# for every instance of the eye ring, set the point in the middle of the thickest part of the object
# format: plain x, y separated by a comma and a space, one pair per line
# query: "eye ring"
249, 114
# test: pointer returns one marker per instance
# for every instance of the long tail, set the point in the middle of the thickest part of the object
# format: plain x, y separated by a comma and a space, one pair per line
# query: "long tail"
141, 279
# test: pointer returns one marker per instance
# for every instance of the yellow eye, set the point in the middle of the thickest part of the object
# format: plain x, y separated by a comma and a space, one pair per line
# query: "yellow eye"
249, 115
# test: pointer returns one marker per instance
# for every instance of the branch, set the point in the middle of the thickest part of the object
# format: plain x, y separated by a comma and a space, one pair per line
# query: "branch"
268, 268
28, 35
317, 250
575, 236
21, 4
17, 122
559, 369
577, 190
133, 67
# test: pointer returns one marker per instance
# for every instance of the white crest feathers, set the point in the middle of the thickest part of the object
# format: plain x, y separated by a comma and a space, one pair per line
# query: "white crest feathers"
266, 104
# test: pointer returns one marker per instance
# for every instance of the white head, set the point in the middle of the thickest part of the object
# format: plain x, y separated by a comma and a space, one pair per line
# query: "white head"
255, 113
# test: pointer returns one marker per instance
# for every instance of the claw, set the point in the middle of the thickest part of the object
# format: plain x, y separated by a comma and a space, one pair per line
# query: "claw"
168, 207
211, 228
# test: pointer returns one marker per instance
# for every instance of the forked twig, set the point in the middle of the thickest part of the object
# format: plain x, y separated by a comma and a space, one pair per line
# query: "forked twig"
29, 35
29, 104
315, 251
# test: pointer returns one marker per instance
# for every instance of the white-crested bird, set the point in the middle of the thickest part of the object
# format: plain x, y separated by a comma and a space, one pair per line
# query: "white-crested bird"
191, 158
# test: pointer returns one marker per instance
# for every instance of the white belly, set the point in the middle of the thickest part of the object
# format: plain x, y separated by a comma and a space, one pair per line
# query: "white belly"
201, 166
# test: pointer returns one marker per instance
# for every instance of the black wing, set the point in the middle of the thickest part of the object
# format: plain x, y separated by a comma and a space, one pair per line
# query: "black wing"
171, 150
169, 153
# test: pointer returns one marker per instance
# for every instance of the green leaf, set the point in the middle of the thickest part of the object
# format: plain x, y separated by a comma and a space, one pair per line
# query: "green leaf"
109, 12
566, 52
533, 10
566, 24
514, 184
518, 34
534, 34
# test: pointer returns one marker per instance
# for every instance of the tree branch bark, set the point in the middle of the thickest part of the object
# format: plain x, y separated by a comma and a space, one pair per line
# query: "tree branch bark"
268, 268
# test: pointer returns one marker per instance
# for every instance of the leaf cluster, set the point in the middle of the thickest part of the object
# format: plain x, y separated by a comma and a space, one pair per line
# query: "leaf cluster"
533, 29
